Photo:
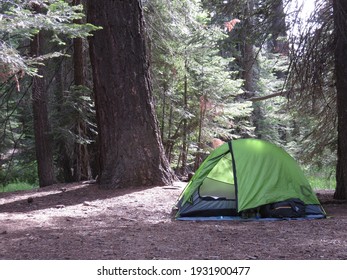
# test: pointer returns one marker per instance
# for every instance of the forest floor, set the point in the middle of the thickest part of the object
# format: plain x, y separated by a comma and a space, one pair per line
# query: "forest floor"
80, 221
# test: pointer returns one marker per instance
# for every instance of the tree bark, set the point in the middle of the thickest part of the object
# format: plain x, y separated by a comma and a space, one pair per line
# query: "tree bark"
185, 125
82, 169
249, 59
198, 156
250, 66
340, 27
278, 29
169, 144
43, 141
163, 112
131, 151
63, 160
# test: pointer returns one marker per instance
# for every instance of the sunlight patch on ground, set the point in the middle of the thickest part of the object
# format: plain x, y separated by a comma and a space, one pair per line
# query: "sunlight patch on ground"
74, 204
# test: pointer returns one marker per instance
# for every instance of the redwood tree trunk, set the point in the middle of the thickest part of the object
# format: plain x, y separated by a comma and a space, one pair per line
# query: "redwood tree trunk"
43, 143
340, 20
131, 151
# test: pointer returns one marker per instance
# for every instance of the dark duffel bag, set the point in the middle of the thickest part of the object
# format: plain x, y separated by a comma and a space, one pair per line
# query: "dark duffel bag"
290, 208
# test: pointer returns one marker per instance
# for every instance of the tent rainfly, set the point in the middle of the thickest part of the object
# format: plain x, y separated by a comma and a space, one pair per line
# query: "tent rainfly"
249, 176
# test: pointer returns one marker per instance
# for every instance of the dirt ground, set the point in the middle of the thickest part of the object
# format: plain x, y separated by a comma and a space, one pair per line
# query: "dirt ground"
80, 221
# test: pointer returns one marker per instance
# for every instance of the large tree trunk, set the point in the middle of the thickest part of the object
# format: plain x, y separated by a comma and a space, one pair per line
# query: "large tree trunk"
131, 151
43, 143
340, 20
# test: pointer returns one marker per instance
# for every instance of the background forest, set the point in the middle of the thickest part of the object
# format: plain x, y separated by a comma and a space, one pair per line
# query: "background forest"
220, 70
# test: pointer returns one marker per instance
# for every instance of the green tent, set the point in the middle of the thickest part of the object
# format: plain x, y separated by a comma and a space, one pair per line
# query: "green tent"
242, 175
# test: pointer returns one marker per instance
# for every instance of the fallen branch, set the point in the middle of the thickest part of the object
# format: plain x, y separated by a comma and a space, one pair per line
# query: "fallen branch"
261, 98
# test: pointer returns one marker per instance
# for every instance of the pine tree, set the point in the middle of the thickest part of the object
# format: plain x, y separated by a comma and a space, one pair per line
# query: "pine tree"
37, 21
195, 90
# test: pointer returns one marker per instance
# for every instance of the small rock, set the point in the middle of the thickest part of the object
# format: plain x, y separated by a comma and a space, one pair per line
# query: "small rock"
86, 203
255, 257
60, 206
89, 182
30, 200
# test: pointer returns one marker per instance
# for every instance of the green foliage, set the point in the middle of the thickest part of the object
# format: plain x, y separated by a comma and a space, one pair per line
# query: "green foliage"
75, 106
16, 117
197, 74
275, 123
17, 186
321, 178
20, 169
312, 86
24, 19
192, 81
21, 20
